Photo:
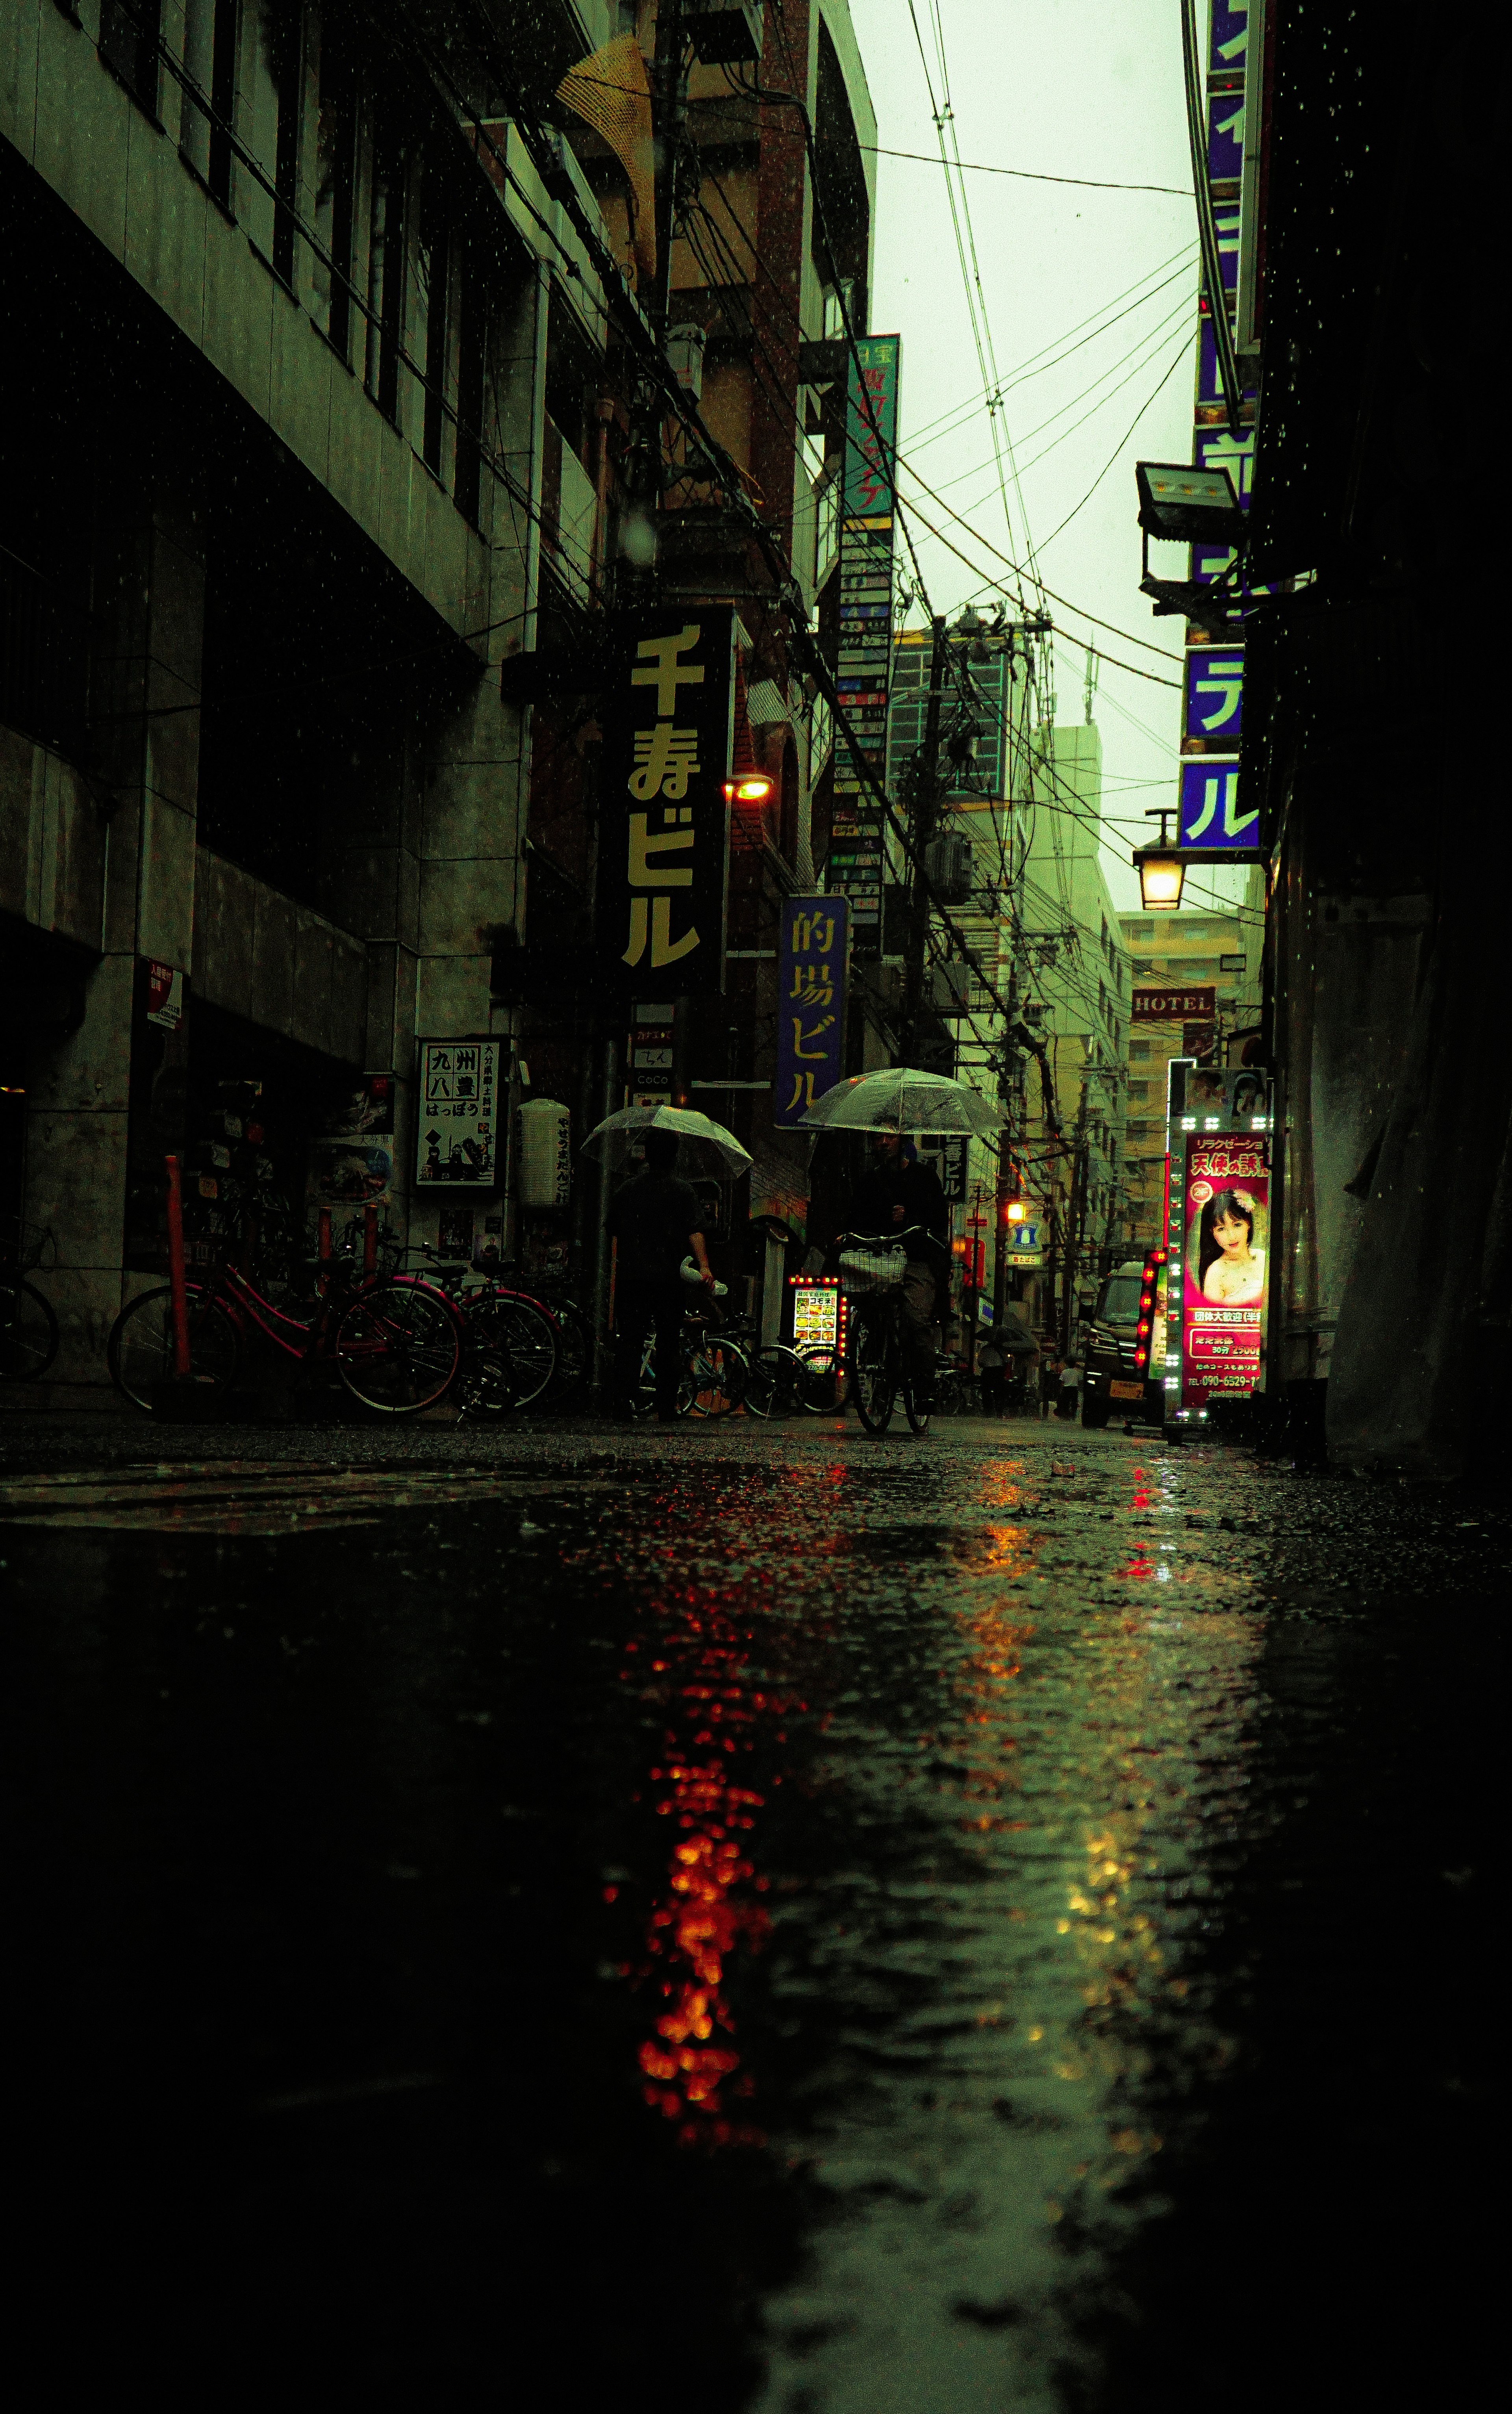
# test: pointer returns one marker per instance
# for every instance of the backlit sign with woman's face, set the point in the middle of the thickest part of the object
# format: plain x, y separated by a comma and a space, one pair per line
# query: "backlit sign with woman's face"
1227, 1231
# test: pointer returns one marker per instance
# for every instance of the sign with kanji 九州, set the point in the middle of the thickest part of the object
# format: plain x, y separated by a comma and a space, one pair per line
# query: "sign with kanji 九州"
810, 1003
459, 1112
1215, 695
1211, 813
663, 847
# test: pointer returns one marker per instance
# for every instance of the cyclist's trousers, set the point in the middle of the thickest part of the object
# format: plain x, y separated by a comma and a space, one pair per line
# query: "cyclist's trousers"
638, 1307
918, 1323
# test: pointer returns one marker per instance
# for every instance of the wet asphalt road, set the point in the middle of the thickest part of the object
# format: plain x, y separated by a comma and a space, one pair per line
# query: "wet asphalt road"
760, 1918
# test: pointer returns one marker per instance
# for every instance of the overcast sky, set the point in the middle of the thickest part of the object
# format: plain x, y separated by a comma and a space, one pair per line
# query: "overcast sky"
1088, 90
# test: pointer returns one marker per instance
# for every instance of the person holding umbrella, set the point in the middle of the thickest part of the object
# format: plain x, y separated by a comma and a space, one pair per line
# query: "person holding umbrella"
899, 1196
656, 1221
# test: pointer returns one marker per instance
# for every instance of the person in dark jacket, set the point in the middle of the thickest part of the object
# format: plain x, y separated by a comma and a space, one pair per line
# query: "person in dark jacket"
655, 1219
895, 1194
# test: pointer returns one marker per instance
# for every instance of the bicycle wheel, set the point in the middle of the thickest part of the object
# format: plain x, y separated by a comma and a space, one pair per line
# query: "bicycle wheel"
397, 1346
510, 1354
769, 1383
821, 1382
918, 1418
28, 1332
719, 1372
871, 1352
574, 1346
140, 1352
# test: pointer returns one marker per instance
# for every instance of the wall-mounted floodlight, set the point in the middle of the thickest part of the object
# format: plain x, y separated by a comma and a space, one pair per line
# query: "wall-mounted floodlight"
1182, 505
1188, 505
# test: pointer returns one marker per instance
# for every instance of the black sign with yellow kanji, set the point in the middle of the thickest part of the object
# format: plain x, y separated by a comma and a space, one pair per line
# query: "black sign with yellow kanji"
664, 855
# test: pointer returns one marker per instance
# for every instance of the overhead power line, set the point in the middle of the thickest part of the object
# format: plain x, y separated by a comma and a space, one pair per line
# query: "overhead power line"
1030, 175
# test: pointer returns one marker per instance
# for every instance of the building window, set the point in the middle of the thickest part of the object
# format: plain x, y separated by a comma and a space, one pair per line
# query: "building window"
826, 525
271, 92
471, 357
386, 275
128, 32
432, 317
210, 32
335, 181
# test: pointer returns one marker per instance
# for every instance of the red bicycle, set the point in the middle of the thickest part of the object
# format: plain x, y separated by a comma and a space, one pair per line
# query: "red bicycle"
395, 1340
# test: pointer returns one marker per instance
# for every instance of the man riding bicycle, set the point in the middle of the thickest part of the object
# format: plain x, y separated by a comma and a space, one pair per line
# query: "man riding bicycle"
895, 1193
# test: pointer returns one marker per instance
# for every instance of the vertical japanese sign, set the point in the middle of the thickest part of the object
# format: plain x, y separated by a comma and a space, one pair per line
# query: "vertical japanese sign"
458, 1123
864, 656
663, 861
810, 1003
1225, 1238
1212, 813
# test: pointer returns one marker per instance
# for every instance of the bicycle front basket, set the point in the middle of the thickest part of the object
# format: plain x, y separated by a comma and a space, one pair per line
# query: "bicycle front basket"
871, 1270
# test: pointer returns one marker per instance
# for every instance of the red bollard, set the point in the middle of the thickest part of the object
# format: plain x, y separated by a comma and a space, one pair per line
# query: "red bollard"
177, 1292
369, 1241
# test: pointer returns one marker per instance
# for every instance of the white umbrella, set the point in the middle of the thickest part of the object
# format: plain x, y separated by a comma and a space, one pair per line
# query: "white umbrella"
700, 1136
902, 1100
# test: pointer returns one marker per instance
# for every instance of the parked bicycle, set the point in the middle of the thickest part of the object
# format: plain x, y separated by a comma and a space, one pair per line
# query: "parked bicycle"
716, 1366
513, 1340
28, 1328
880, 1362
395, 1341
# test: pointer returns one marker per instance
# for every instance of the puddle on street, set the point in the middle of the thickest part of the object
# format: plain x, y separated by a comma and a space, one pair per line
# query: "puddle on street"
762, 1930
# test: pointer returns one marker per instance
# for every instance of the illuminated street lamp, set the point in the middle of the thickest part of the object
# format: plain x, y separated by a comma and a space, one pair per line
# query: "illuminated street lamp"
747, 794
1161, 868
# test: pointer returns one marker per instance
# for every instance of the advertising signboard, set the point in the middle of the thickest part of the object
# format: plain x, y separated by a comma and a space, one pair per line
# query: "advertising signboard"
1211, 811
457, 1126
863, 655
1026, 1241
668, 720
816, 1311
1174, 1005
871, 427
352, 1162
1214, 697
946, 1154
1225, 1238
810, 1003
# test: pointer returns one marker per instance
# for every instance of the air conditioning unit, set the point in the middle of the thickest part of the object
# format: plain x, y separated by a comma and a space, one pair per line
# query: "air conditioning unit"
724, 32
950, 987
947, 864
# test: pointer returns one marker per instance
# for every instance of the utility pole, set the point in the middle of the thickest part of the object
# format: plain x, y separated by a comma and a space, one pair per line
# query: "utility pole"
924, 811
669, 100
1076, 1216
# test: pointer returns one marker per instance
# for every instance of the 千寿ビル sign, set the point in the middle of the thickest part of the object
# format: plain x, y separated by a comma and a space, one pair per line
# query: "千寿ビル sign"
667, 717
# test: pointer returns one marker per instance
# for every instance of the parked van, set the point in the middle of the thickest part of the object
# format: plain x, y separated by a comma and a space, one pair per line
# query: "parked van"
1113, 1380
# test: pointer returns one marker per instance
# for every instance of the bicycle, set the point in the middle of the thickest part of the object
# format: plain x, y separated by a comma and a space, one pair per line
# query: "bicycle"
879, 1358
395, 1342
715, 1369
781, 1378
574, 1329
514, 1341
28, 1328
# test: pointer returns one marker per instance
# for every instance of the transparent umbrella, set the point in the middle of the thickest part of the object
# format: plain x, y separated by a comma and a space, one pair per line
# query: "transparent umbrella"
707, 1146
902, 1100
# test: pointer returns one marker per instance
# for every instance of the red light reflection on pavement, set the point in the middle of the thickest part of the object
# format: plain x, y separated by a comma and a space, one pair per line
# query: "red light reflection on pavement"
694, 1665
